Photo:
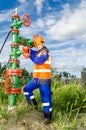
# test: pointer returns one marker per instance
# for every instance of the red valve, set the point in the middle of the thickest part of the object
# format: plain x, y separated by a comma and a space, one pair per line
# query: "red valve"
6, 81
26, 20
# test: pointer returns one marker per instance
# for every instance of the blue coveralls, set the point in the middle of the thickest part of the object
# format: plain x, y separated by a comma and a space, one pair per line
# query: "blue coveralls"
44, 87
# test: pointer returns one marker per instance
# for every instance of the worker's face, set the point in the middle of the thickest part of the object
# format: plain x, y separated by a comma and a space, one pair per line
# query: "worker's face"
38, 46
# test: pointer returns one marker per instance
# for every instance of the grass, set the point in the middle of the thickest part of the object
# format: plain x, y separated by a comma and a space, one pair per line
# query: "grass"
69, 101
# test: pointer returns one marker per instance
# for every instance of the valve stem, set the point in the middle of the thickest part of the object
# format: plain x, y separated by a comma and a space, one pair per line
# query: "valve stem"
16, 11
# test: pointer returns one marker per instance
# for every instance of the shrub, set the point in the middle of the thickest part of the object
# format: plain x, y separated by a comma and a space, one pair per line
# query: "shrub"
69, 97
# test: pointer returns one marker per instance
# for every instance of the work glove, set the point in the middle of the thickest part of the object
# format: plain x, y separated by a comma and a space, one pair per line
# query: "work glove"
26, 51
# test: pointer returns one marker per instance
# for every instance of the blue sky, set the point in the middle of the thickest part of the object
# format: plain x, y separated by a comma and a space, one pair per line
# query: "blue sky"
62, 23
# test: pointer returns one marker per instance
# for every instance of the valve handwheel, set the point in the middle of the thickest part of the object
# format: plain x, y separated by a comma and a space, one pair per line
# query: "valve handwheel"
26, 20
6, 82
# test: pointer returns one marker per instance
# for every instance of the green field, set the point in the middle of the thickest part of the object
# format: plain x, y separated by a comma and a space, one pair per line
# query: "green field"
69, 110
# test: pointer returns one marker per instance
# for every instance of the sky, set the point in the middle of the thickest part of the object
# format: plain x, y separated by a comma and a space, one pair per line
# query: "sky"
62, 23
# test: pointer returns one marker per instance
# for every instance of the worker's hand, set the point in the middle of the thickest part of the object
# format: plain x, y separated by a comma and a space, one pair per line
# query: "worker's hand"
26, 51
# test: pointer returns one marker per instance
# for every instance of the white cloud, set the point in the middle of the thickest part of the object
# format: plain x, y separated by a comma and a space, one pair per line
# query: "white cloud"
22, 1
39, 5
6, 15
70, 24
69, 59
40, 22
50, 22
2, 60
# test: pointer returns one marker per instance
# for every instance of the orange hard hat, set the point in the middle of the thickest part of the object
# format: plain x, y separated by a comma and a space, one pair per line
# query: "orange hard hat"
38, 40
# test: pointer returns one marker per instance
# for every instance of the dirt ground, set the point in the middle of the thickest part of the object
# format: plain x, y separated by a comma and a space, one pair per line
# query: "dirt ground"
33, 120
30, 121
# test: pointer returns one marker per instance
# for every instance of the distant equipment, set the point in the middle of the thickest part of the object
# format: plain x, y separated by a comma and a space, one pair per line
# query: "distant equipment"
83, 78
